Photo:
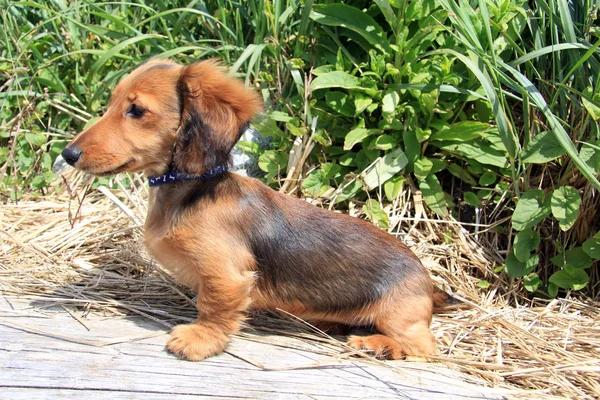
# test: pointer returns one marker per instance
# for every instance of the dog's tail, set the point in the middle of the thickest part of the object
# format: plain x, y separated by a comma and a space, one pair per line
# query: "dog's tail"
442, 301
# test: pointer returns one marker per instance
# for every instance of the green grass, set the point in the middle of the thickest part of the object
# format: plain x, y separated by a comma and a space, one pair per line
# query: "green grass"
484, 105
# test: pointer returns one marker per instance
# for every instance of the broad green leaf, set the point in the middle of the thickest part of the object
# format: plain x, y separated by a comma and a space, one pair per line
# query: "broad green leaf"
592, 246
352, 18
576, 257
552, 289
531, 209
518, 269
336, 79
361, 102
570, 278
249, 147
471, 198
36, 139
422, 167
481, 153
348, 191
357, 135
483, 284
280, 116
532, 282
330, 170
393, 187
461, 131
375, 213
565, 206
385, 142
311, 185
543, 148
320, 136
389, 102
487, 178
339, 102
590, 154
591, 108
525, 242
385, 168
462, 174
433, 195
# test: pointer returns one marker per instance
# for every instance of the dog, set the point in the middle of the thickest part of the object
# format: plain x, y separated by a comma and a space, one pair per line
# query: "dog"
239, 244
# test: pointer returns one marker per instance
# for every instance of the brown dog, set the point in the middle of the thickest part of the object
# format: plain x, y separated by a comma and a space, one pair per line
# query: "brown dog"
238, 243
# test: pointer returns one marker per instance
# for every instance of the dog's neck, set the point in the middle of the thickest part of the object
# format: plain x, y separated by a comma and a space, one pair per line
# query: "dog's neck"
173, 176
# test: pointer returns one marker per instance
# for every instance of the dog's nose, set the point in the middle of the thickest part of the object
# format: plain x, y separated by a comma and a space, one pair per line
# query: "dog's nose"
71, 154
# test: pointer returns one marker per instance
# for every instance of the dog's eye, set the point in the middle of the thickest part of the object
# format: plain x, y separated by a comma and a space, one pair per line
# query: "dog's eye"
135, 111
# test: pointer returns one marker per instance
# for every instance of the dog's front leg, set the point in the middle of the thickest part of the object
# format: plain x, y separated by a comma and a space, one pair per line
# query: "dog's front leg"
223, 298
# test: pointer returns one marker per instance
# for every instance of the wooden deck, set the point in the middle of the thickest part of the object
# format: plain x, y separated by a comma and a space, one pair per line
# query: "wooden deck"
52, 353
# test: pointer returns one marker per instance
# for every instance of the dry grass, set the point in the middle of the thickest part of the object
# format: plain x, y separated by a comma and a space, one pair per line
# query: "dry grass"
88, 252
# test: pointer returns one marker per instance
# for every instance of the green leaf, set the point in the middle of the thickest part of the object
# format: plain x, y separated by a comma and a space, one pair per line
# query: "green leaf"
433, 195
338, 101
590, 155
576, 257
385, 168
464, 131
271, 161
471, 198
335, 79
481, 153
591, 108
375, 213
36, 139
357, 135
393, 187
462, 174
354, 19
543, 147
320, 136
552, 290
487, 178
390, 102
330, 170
518, 269
361, 102
525, 242
422, 167
348, 191
249, 147
483, 284
311, 185
385, 142
565, 206
592, 246
570, 278
532, 282
530, 210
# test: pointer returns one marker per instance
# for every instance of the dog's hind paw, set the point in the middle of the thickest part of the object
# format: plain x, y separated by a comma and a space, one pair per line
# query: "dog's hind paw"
195, 342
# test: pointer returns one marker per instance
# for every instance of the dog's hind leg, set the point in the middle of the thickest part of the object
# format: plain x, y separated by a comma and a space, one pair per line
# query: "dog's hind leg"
403, 322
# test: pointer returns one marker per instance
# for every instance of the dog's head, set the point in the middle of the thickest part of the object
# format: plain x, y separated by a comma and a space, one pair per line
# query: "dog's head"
166, 114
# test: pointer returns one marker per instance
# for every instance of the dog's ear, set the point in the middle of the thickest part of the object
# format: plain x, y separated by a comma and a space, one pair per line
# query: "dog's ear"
216, 109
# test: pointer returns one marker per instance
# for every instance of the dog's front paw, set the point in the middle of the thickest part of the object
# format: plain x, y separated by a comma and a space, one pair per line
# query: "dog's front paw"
196, 342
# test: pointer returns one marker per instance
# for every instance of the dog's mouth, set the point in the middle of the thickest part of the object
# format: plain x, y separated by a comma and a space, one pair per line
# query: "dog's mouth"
123, 167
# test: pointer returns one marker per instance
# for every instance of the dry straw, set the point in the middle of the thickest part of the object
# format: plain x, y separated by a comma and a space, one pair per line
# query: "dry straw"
83, 247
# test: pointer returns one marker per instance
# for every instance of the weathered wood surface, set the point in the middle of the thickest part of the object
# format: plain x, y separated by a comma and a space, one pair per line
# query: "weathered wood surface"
46, 353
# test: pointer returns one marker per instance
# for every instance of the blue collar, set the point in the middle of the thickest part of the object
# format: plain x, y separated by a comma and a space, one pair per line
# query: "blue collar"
175, 176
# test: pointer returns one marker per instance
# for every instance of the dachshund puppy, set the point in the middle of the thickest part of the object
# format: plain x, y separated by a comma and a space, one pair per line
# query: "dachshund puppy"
235, 241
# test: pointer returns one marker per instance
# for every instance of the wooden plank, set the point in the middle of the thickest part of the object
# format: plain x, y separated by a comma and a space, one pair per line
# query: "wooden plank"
49, 355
